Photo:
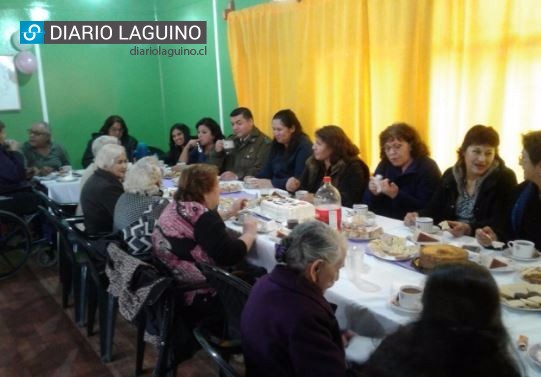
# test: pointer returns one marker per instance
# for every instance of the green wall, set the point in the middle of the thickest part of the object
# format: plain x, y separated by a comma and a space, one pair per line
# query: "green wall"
86, 83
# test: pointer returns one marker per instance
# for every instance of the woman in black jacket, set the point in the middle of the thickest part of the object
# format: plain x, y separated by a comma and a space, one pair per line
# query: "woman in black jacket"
335, 156
113, 126
524, 212
475, 191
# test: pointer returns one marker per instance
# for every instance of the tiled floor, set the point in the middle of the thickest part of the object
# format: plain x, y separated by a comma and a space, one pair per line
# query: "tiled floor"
39, 338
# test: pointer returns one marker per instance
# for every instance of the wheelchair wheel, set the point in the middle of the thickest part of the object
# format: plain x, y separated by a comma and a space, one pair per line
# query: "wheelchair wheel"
15, 243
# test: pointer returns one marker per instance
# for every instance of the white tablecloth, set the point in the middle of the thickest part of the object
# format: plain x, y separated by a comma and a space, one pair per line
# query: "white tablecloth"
370, 314
63, 192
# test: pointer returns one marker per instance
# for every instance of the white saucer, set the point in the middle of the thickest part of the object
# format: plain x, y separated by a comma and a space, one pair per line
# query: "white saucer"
534, 353
507, 253
67, 178
509, 268
435, 229
393, 303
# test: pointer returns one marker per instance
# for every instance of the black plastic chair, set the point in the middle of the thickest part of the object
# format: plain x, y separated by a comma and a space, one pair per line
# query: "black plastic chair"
233, 293
97, 296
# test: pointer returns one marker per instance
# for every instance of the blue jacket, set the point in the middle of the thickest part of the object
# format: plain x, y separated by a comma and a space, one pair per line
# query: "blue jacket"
416, 186
279, 169
289, 329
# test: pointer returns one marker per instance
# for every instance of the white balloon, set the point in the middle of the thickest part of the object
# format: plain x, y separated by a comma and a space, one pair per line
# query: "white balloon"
16, 42
26, 62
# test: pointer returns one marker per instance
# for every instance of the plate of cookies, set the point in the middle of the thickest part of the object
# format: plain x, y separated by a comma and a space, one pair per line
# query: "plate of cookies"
521, 296
531, 275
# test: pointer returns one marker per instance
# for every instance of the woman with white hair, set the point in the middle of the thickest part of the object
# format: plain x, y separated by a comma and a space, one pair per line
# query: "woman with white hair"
287, 326
140, 205
97, 144
102, 190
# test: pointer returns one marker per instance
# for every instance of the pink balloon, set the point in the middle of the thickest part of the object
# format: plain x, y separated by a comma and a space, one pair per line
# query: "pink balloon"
26, 62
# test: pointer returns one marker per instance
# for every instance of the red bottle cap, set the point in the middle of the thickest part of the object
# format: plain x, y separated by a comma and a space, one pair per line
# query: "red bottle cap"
326, 179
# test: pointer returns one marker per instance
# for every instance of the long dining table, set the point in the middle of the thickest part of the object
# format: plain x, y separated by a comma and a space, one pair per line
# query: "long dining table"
364, 298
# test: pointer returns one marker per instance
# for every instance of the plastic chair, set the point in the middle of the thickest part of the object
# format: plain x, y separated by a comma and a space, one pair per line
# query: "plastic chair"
233, 294
97, 296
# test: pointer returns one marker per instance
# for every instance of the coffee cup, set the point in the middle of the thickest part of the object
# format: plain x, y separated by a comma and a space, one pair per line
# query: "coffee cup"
409, 297
521, 248
66, 170
424, 224
300, 194
229, 145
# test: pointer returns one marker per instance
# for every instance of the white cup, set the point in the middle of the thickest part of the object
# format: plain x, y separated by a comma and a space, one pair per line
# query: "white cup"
66, 170
229, 145
424, 224
300, 194
360, 209
409, 297
521, 248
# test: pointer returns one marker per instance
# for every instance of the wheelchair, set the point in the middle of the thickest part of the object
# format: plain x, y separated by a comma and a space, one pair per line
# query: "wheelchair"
17, 243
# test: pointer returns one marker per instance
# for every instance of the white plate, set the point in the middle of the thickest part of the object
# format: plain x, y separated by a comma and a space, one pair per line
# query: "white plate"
504, 303
393, 304
67, 178
534, 353
231, 187
507, 253
384, 256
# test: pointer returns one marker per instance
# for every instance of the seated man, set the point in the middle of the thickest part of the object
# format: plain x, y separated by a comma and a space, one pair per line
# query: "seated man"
15, 191
250, 151
41, 153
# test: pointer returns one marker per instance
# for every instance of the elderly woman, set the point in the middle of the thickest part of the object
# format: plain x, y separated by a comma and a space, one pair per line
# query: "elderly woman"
524, 214
287, 326
41, 153
179, 136
140, 205
473, 193
198, 150
113, 126
335, 156
97, 144
460, 331
290, 149
102, 190
190, 230
408, 176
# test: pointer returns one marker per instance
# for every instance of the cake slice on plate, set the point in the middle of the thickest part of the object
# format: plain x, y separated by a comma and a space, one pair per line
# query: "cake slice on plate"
424, 237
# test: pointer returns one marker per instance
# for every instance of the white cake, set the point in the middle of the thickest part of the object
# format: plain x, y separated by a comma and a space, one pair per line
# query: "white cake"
283, 209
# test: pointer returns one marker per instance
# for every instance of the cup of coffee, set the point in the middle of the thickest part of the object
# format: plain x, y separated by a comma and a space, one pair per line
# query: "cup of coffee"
521, 248
229, 145
300, 194
424, 224
409, 297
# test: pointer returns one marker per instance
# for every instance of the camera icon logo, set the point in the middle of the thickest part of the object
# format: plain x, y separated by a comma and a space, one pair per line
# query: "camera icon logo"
31, 32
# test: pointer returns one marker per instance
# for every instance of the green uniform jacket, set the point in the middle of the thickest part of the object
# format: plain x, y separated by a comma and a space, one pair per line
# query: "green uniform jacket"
248, 156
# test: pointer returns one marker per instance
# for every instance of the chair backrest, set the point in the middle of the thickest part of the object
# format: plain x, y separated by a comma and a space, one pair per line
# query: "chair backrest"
47, 202
232, 292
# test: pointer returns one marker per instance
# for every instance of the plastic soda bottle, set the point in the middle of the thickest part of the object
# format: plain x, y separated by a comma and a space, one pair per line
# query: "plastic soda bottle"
328, 204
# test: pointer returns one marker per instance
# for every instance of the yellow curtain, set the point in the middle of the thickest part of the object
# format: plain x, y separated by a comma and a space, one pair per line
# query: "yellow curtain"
439, 65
